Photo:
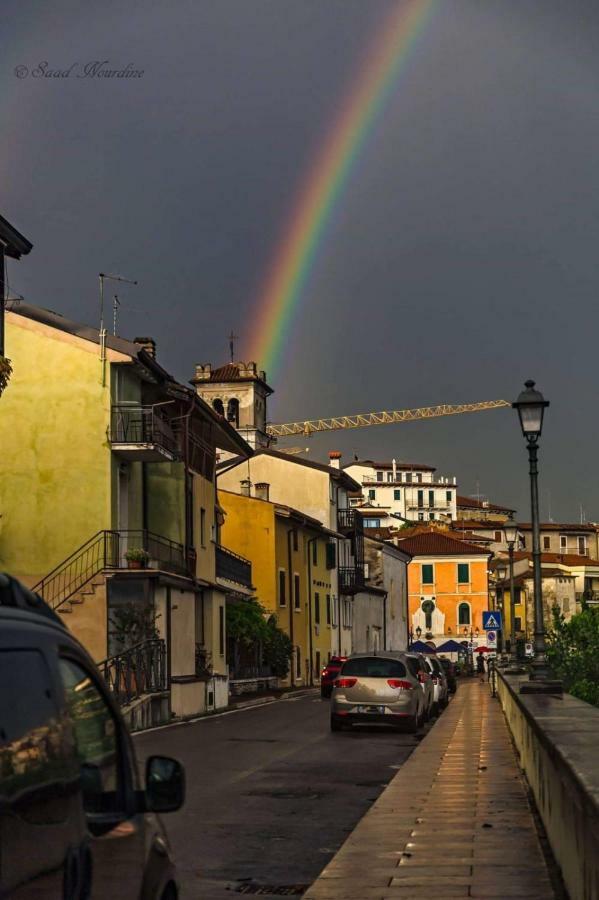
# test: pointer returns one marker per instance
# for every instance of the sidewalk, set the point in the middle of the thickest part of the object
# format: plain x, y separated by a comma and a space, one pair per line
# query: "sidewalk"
454, 822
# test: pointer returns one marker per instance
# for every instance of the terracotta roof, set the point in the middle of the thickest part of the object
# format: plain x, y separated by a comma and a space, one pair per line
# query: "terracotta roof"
469, 524
566, 559
231, 372
588, 528
472, 503
380, 534
436, 543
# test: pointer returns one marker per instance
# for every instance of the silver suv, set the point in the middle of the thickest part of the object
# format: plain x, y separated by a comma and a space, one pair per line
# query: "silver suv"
377, 689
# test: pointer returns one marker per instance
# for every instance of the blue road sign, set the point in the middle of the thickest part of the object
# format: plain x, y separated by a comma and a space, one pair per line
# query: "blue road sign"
492, 620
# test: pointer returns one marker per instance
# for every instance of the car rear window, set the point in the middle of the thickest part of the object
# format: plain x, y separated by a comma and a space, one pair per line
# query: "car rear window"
436, 666
374, 667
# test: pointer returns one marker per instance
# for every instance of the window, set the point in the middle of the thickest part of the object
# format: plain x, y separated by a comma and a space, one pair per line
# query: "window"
517, 623
389, 476
427, 573
203, 527
431, 498
448, 496
546, 542
372, 494
463, 573
563, 542
96, 745
498, 537
282, 588
431, 516
397, 494
328, 609
297, 600
419, 477
421, 517
374, 667
331, 555
217, 406
463, 614
233, 412
221, 630
317, 609
408, 478
371, 523
420, 498
315, 553
348, 614
379, 476
582, 546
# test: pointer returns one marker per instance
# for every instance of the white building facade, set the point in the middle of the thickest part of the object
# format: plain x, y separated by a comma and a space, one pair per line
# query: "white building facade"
406, 491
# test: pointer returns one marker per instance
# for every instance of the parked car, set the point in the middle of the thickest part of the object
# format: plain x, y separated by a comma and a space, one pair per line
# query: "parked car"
377, 689
329, 674
420, 670
440, 684
75, 822
450, 673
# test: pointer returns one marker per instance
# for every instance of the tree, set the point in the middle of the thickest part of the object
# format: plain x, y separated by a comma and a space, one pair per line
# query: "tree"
5, 372
573, 652
252, 629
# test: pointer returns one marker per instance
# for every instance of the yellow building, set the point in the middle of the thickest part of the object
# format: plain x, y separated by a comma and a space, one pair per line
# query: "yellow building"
291, 571
104, 456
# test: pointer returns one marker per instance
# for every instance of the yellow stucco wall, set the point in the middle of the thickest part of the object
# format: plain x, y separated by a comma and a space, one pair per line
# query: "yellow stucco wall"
249, 530
56, 461
324, 637
204, 498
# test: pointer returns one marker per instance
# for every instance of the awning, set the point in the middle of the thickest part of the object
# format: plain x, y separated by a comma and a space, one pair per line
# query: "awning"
451, 646
421, 647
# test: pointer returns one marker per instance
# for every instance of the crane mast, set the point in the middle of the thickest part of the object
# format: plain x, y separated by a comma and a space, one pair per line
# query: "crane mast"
364, 420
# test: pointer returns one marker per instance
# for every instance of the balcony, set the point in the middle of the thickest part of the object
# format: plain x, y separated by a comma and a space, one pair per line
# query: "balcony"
234, 568
351, 579
442, 505
348, 521
142, 434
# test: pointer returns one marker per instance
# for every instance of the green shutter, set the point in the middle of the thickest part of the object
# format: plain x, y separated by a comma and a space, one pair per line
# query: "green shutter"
463, 573
427, 574
331, 555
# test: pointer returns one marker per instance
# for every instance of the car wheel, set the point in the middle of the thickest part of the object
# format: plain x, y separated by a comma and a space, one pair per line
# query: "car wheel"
169, 893
336, 724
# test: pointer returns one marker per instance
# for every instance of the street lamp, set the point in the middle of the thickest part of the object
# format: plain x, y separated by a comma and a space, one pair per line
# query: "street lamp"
418, 632
531, 407
510, 531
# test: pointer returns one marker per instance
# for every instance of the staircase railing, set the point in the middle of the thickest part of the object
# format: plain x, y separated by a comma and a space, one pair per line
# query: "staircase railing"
140, 669
107, 550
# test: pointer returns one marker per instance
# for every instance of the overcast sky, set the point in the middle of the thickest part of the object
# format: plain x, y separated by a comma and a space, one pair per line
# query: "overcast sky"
462, 258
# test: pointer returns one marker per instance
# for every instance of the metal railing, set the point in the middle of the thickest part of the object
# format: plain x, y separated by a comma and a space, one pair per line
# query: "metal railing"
348, 520
107, 550
141, 425
414, 504
233, 567
351, 578
140, 669
203, 661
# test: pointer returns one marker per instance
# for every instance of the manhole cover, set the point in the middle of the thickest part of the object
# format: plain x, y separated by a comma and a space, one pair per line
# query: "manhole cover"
278, 890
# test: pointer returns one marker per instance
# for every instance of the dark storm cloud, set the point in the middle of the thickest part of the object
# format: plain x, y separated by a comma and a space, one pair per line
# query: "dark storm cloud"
461, 259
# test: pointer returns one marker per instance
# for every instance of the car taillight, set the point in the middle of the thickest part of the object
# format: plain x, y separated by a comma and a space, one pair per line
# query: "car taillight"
345, 682
399, 684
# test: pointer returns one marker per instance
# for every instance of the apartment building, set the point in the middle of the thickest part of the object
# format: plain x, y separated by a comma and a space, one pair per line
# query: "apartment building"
400, 490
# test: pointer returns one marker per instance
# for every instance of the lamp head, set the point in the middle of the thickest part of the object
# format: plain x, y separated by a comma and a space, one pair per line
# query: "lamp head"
531, 407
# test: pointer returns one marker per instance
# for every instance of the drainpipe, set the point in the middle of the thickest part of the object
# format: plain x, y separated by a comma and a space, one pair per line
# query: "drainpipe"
291, 603
385, 595
311, 541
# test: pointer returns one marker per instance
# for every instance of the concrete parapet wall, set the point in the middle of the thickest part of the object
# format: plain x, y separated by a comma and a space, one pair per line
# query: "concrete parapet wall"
557, 739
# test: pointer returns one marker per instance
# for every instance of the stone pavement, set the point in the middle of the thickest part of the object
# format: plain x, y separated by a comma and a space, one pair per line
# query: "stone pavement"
454, 822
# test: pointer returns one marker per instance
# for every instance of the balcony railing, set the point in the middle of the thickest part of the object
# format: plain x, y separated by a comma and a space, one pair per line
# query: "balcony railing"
141, 669
351, 579
142, 433
107, 550
348, 520
413, 504
233, 567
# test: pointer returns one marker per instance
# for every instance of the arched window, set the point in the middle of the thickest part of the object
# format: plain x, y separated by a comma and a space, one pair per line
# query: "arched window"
233, 412
217, 406
463, 614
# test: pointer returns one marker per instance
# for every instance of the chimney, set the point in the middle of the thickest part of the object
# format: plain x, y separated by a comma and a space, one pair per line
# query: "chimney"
203, 372
148, 344
394, 464
262, 490
246, 487
335, 459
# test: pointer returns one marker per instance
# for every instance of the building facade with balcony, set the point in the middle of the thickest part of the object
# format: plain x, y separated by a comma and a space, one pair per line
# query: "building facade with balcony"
322, 492
402, 490
293, 563
564, 538
109, 463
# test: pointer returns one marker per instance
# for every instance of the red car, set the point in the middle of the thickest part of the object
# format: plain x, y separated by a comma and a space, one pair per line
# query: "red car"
329, 674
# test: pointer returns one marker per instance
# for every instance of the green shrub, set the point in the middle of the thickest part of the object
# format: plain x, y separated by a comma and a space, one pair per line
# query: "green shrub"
573, 652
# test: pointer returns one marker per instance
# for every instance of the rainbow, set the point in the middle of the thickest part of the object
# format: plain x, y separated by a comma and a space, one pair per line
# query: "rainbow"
296, 254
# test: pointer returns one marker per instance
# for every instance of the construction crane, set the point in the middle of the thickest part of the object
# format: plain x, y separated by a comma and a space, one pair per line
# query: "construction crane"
311, 426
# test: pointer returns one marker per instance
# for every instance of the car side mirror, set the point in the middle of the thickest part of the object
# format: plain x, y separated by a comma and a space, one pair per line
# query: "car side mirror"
165, 784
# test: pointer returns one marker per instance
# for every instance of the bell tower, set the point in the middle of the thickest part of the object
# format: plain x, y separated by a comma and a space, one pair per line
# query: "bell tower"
237, 391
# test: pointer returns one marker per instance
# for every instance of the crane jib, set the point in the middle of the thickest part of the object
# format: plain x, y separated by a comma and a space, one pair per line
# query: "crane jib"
364, 420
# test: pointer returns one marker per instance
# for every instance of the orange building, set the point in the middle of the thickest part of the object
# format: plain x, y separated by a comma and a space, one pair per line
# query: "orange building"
447, 586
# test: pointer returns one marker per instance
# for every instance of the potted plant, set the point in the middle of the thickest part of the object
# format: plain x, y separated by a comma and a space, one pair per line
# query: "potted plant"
137, 558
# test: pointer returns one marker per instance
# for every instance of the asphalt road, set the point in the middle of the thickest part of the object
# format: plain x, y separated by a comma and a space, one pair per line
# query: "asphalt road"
271, 793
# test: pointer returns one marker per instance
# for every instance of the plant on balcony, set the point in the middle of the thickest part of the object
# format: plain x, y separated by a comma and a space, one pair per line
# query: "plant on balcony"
137, 558
5, 372
131, 624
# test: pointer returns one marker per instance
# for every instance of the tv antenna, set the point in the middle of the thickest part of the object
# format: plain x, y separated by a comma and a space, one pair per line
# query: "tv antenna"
115, 305
232, 338
102, 276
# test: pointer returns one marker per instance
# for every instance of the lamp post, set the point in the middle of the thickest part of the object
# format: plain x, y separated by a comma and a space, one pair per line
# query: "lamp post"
510, 531
418, 632
501, 573
531, 407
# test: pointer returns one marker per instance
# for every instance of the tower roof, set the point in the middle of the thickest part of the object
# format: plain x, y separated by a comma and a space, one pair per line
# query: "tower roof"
231, 373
